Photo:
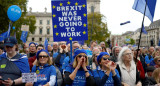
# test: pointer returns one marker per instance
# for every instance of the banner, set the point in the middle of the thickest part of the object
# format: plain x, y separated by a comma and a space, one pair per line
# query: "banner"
69, 20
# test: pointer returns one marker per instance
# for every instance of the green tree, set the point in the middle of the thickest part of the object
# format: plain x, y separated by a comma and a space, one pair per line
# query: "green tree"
131, 41
99, 31
24, 20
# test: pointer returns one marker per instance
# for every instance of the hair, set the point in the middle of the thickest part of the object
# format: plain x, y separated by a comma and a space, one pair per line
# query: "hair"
40, 45
121, 58
16, 47
113, 50
104, 49
49, 61
156, 58
155, 75
75, 62
153, 54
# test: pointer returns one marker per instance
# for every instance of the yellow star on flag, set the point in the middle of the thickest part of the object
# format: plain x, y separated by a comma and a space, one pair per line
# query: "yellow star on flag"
55, 26
84, 32
84, 5
61, 4
54, 6
68, 3
57, 34
76, 3
54, 15
70, 38
84, 25
84, 15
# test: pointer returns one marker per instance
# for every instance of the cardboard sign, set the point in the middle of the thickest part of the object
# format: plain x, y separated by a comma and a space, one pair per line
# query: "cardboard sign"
29, 77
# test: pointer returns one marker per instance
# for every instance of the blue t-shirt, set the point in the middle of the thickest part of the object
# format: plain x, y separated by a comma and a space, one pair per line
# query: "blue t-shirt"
55, 54
65, 62
80, 79
100, 74
43, 74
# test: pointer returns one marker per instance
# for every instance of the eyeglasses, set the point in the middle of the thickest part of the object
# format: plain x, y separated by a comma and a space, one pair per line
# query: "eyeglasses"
43, 56
9, 47
127, 53
82, 55
105, 58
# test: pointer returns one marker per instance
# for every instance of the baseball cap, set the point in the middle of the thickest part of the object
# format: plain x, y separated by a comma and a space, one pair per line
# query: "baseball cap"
10, 41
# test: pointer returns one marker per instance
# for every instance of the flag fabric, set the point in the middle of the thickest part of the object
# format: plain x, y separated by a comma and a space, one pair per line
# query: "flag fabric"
46, 44
14, 35
125, 23
24, 36
143, 30
3, 36
139, 5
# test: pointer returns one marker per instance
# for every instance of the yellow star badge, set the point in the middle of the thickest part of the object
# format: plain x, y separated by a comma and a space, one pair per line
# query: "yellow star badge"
84, 25
55, 26
76, 3
70, 38
61, 4
84, 5
57, 34
84, 15
54, 15
68, 3
54, 6
84, 32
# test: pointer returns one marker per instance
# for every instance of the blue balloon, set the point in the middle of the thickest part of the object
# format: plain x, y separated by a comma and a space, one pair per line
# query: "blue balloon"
14, 13
13, 27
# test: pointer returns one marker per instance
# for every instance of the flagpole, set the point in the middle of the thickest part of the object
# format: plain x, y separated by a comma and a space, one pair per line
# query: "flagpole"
141, 28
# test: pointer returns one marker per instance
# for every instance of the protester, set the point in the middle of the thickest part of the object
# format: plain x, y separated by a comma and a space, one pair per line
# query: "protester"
108, 75
12, 64
149, 57
115, 52
46, 72
55, 50
32, 49
78, 74
102, 44
157, 62
127, 68
93, 60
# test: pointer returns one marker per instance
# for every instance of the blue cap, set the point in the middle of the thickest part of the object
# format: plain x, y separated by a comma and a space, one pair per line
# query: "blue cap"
10, 41
32, 43
101, 55
37, 55
78, 51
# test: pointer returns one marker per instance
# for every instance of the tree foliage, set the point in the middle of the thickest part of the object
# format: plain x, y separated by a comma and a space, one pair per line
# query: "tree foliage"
99, 31
131, 41
24, 20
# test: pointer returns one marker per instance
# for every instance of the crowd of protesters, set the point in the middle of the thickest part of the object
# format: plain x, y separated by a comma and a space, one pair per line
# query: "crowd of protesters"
89, 65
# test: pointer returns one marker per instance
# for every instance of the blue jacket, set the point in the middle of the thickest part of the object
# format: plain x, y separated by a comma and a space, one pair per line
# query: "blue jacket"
43, 75
103, 80
148, 59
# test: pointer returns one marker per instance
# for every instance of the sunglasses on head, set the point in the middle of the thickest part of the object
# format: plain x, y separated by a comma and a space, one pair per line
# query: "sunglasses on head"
82, 55
44, 56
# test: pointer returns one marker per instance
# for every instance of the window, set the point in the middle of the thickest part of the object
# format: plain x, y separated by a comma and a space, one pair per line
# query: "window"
32, 39
48, 22
48, 31
40, 22
40, 30
48, 39
40, 39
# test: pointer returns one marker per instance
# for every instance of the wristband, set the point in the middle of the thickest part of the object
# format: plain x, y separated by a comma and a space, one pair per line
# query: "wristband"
13, 83
85, 71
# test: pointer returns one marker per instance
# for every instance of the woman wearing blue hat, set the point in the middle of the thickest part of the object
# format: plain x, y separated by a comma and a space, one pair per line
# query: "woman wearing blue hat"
78, 74
107, 75
46, 72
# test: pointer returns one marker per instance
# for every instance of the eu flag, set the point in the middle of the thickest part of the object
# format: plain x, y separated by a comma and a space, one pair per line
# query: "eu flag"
139, 5
46, 44
24, 36
3, 35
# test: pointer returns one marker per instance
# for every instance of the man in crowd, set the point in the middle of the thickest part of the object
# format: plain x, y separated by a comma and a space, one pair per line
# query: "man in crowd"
115, 52
149, 57
32, 49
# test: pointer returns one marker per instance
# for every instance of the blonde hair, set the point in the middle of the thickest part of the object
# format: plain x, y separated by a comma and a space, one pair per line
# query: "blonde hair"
49, 62
75, 62
155, 74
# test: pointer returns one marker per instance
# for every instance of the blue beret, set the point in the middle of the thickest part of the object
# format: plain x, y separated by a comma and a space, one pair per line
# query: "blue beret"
78, 51
32, 43
101, 55
37, 55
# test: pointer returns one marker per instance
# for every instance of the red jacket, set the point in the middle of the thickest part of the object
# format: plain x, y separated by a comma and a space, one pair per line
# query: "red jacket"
140, 69
31, 60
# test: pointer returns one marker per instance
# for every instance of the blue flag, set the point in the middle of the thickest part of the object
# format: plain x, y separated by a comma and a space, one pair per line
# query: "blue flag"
139, 5
24, 36
46, 44
3, 36
143, 30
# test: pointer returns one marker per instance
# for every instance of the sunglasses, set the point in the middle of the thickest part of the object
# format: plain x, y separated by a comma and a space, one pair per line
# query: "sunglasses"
9, 47
44, 56
105, 58
82, 55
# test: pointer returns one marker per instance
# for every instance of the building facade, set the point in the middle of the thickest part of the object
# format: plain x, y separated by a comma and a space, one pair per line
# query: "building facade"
44, 23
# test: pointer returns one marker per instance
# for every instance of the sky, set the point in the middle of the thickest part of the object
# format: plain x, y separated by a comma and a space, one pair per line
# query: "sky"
115, 11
